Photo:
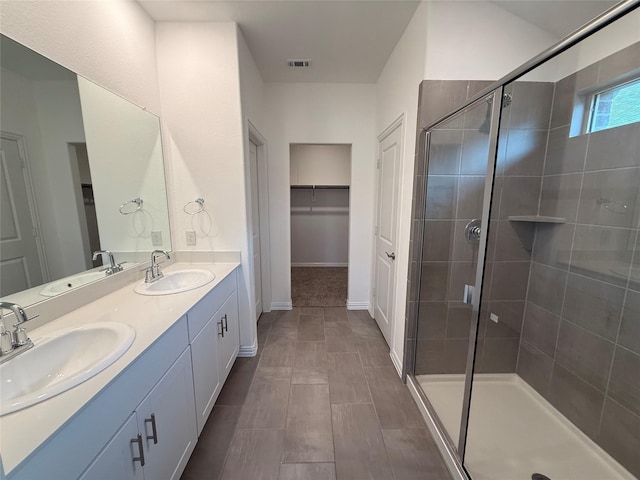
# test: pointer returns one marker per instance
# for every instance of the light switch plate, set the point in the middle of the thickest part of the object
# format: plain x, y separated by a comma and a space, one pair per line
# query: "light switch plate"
493, 317
191, 237
156, 238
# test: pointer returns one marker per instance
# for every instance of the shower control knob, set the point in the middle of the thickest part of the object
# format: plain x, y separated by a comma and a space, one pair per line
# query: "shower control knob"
472, 231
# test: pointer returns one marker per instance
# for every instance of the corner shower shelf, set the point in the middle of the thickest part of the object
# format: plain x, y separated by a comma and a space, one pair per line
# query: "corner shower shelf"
536, 219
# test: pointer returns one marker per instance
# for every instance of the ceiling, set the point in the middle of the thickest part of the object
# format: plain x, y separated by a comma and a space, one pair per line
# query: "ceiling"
346, 40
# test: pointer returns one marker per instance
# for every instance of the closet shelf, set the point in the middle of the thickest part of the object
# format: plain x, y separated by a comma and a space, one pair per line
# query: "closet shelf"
536, 219
320, 187
314, 209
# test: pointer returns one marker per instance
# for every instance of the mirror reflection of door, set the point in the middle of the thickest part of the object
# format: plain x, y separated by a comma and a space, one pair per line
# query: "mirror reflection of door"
85, 203
20, 266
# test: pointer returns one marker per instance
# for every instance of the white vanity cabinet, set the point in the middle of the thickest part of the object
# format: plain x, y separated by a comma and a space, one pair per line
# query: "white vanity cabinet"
215, 341
157, 439
171, 385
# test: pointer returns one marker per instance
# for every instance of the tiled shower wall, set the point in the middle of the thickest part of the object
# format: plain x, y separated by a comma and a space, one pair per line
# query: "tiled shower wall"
580, 343
455, 193
567, 295
443, 327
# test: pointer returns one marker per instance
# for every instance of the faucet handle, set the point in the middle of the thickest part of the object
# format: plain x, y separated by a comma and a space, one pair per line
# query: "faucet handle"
20, 337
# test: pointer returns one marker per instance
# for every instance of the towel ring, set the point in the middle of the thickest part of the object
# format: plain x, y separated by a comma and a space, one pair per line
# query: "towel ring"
127, 211
188, 207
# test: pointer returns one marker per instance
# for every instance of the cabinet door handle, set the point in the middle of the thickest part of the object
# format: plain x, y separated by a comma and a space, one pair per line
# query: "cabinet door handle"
140, 450
221, 332
226, 323
154, 435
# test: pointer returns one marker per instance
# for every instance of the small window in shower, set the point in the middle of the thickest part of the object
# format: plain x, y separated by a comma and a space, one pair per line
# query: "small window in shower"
616, 106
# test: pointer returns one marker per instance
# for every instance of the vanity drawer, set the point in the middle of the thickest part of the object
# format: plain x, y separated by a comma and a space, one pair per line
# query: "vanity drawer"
202, 312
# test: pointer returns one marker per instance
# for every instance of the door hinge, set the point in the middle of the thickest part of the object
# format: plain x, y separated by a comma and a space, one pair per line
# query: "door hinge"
374, 292
378, 164
34, 232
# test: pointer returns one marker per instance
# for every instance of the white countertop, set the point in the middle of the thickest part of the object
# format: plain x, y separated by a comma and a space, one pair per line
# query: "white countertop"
23, 431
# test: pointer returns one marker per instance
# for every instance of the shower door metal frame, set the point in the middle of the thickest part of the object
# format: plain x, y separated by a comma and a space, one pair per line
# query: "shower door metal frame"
496, 108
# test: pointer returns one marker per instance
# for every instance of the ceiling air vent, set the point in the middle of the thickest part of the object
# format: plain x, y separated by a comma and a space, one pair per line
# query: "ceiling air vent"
299, 63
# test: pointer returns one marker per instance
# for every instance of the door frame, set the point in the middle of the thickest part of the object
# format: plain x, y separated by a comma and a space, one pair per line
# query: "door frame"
399, 122
260, 142
33, 205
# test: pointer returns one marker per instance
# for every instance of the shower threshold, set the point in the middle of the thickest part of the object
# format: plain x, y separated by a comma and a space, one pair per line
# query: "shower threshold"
514, 432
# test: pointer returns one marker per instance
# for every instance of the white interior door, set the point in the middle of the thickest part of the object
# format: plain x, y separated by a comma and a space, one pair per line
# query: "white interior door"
255, 218
389, 155
19, 258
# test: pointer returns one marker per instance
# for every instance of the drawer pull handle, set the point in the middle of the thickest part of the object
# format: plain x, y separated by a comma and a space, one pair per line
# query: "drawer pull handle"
226, 323
221, 332
140, 449
154, 435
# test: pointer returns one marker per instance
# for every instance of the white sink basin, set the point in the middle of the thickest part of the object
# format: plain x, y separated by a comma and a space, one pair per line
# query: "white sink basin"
56, 288
176, 282
61, 362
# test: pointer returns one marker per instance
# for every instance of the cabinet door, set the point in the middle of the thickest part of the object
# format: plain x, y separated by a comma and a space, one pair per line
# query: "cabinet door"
206, 379
115, 462
167, 421
228, 336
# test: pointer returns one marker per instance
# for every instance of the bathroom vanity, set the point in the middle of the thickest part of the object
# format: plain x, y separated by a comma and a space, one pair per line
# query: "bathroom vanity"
141, 416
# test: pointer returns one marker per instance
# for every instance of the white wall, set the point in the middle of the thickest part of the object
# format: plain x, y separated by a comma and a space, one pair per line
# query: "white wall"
198, 69
607, 41
110, 42
322, 113
320, 164
477, 40
397, 95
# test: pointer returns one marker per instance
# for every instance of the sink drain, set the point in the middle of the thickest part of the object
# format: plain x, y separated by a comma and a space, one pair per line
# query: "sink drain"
539, 476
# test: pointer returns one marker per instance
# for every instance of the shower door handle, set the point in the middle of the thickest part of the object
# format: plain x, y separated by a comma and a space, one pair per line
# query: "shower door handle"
468, 294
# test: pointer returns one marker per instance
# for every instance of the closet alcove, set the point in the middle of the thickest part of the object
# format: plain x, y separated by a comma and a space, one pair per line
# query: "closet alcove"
320, 180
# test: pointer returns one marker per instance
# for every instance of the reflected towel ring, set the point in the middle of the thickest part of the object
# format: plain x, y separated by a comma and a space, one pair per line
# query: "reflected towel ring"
188, 207
128, 211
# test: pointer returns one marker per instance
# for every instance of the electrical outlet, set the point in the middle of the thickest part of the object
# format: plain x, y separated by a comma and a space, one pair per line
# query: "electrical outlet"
493, 317
156, 238
191, 237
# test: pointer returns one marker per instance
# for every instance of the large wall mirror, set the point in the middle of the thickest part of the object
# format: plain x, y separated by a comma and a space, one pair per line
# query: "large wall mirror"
81, 171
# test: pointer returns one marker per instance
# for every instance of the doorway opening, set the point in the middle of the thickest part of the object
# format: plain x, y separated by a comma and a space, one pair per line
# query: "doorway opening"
320, 179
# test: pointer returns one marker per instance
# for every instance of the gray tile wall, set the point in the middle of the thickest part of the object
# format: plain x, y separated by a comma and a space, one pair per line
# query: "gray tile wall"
580, 343
455, 190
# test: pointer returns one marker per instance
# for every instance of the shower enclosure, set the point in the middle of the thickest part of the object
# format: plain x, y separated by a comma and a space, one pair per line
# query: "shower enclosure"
523, 346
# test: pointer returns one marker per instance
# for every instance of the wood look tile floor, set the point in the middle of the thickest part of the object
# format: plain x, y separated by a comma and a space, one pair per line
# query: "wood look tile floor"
320, 401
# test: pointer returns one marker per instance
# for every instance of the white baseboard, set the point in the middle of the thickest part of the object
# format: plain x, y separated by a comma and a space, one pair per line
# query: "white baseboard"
396, 361
248, 350
357, 305
319, 264
282, 305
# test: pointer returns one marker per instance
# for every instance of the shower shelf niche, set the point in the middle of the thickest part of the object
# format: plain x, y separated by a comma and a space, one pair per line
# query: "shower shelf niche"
536, 219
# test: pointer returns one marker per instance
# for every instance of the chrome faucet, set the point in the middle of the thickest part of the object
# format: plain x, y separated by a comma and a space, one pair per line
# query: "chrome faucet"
16, 342
153, 273
113, 266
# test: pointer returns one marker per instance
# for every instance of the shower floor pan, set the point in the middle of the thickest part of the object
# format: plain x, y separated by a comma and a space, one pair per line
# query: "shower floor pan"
514, 432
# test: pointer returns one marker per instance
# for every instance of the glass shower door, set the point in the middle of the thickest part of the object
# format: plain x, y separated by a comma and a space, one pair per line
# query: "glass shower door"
460, 164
